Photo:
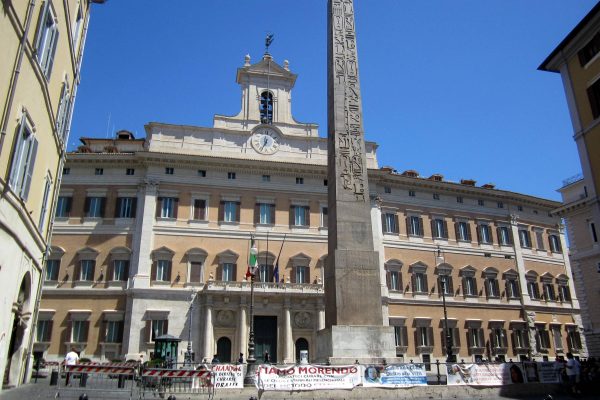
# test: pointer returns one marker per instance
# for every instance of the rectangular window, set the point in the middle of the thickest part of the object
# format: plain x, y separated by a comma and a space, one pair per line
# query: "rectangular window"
120, 270
411, 193
299, 181
445, 285
114, 332
520, 339
491, 287
593, 93
168, 207
459, 199
524, 238
52, 268
590, 50
476, 339
324, 217
549, 294
480, 202
519, 208
265, 272
564, 292
500, 204
463, 231
557, 337
45, 200
401, 336
43, 332
230, 211
169, 170
533, 290
163, 270
130, 171
498, 338
420, 282
485, 234
47, 39
23, 162
574, 340
300, 215
436, 196
555, 246
195, 272
539, 238
387, 189
158, 328
302, 274
266, 213
99, 171
439, 228
390, 223
94, 207
512, 289
415, 226
126, 207
79, 331
424, 336
470, 286
324, 182
231, 175
62, 114
543, 337
395, 280
266, 178
63, 207
202, 173
228, 272
199, 210
86, 270
504, 236
66, 171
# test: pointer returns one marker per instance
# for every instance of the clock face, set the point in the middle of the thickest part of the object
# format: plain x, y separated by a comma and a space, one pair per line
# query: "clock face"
265, 140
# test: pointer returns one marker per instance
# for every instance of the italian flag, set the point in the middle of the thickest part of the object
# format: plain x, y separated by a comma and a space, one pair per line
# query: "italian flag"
252, 258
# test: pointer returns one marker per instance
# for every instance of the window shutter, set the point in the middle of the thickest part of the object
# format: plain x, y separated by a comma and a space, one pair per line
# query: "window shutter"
388, 279
456, 232
234, 273
450, 285
478, 229
176, 208
504, 339
307, 215
221, 211
468, 231
159, 201
498, 235
148, 330
407, 225
16, 155
220, 272
169, 270
420, 226
413, 281
383, 227
433, 228
558, 245
445, 233
481, 337
86, 207
102, 332
270, 273
496, 286
86, 330
426, 286
396, 224
30, 167
443, 339
126, 270
69, 201
53, 44
76, 271
491, 234
166, 327
133, 207
416, 338
430, 340
118, 206
110, 271
199, 209
102, 206
292, 209
464, 286
293, 275
272, 212
257, 213
93, 270
153, 270
456, 336
41, 23
238, 209
487, 287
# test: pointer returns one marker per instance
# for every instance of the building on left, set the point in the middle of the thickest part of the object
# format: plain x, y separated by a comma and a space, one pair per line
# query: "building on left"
42, 44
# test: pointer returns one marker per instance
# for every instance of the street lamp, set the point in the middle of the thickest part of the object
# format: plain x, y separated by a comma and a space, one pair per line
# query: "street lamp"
450, 358
250, 377
189, 354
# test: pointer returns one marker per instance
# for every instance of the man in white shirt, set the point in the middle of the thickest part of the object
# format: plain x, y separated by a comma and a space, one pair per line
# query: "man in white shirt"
573, 370
71, 358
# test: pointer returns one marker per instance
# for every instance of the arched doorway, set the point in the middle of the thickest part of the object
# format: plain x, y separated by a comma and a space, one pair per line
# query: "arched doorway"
224, 350
301, 344
15, 358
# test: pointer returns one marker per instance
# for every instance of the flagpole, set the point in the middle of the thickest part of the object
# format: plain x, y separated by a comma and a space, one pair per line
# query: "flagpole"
250, 378
276, 276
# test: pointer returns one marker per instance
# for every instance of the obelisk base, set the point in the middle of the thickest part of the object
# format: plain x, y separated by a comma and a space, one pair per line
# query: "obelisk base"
347, 344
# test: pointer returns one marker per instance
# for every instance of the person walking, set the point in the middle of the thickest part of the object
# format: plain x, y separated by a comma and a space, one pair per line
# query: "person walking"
71, 358
573, 369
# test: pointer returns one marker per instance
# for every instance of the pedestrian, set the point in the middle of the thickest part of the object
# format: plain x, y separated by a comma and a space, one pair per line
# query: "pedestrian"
573, 369
71, 358
215, 360
267, 359
241, 359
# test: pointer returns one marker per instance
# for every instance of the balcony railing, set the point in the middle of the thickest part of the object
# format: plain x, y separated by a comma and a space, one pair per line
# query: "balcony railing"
265, 287
572, 179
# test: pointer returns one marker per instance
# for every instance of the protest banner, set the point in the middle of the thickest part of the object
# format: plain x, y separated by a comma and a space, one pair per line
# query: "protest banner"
394, 375
485, 374
228, 376
307, 377
549, 372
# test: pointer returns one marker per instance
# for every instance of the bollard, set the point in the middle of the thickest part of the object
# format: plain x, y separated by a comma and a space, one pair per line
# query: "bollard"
83, 380
121, 383
172, 397
54, 377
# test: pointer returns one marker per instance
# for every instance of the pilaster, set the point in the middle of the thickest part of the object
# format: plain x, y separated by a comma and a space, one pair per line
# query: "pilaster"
143, 237
208, 330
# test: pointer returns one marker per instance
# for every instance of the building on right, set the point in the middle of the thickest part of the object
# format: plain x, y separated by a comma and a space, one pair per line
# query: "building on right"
577, 59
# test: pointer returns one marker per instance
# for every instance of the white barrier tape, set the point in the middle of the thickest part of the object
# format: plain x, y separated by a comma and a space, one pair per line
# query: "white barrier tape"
177, 373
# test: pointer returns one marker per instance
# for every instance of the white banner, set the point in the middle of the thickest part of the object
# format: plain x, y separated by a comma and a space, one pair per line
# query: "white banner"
307, 377
544, 372
485, 374
228, 376
394, 375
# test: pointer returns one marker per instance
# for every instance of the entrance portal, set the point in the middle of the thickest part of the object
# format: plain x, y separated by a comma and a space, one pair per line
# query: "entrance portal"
265, 338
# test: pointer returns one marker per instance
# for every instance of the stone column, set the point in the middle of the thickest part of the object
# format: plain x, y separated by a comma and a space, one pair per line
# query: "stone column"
208, 331
288, 344
376, 203
321, 317
143, 237
567, 264
242, 329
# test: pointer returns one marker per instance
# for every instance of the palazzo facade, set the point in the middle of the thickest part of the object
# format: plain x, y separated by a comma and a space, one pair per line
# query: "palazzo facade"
152, 237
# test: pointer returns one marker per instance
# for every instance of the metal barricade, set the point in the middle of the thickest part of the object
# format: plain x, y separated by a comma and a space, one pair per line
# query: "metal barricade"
165, 382
90, 378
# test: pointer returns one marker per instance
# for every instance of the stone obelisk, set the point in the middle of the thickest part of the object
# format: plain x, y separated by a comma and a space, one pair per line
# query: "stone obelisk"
354, 326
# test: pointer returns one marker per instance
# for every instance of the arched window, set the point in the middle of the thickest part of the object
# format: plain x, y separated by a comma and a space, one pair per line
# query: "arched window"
266, 107
224, 350
301, 344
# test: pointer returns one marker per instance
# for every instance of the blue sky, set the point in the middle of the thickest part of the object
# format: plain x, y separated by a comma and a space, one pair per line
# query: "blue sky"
449, 86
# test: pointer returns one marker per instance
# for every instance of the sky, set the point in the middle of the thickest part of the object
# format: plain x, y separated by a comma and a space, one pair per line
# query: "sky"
448, 86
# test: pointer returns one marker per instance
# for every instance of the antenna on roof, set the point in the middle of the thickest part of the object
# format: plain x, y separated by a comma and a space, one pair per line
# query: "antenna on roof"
108, 125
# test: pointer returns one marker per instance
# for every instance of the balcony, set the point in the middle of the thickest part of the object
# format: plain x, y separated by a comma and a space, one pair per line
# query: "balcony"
264, 287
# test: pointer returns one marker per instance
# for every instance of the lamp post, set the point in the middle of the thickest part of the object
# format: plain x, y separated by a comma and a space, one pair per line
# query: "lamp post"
450, 358
189, 354
250, 377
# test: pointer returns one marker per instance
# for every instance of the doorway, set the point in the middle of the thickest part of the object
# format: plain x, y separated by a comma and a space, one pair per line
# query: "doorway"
265, 338
301, 344
224, 350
